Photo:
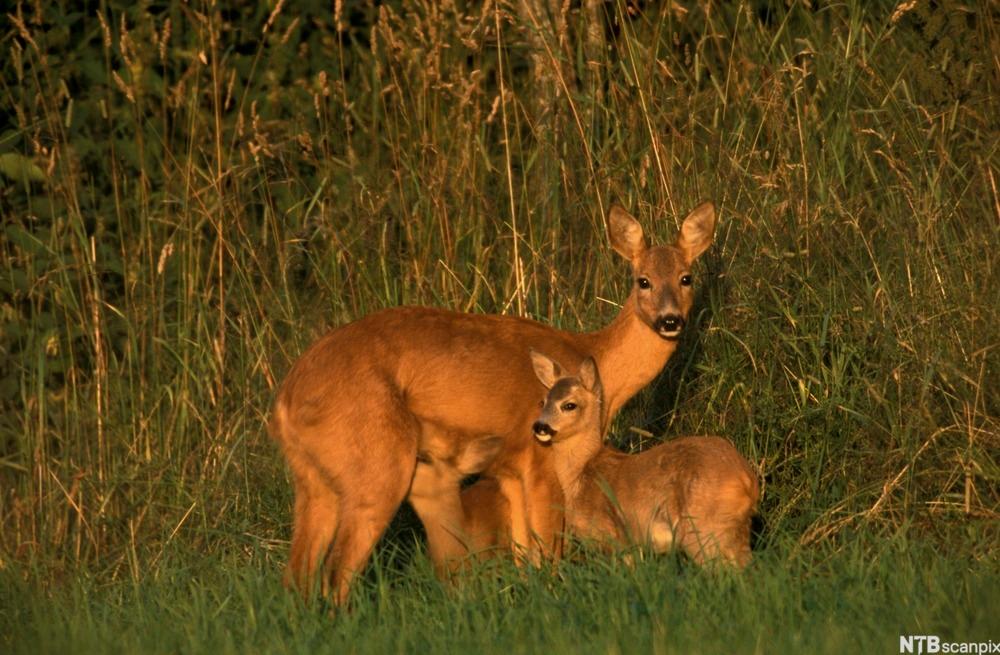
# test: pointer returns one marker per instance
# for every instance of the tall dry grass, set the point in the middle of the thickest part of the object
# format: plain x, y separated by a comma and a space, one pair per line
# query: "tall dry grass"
193, 192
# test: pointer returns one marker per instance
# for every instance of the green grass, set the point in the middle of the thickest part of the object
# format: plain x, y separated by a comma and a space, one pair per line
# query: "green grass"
190, 195
860, 598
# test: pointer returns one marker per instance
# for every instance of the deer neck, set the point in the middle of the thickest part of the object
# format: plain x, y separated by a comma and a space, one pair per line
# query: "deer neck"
629, 355
570, 461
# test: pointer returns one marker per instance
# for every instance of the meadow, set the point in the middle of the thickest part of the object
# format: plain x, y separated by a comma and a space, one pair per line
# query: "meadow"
192, 192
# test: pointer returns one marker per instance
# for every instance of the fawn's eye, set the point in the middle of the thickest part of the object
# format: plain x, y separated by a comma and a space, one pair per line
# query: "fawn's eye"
686, 280
541, 403
643, 283
568, 407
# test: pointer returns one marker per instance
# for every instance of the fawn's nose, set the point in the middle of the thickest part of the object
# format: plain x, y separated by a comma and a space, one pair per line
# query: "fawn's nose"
669, 325
543, 431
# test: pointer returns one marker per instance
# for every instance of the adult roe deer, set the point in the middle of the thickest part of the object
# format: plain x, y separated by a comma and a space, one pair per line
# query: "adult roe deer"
695, 493
362, 402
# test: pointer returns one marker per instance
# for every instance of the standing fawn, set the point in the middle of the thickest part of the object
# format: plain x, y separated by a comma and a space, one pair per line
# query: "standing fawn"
364, 402
695, 493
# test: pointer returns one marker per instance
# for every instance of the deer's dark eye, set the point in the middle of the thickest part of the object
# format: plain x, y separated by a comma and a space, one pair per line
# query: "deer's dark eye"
643, 283
568, 407
541, 403
686, 280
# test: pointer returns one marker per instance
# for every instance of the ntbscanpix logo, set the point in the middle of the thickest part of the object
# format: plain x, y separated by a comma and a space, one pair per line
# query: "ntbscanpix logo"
932, 644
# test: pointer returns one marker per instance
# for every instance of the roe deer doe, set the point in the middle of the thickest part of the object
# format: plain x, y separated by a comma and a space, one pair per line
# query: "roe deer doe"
363, 401
696, 493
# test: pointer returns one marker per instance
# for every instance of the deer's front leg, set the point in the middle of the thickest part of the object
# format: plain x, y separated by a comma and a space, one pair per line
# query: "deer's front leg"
545, 511
513, 489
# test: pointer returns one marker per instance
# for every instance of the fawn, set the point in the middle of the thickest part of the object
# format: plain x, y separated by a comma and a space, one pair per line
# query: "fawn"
695, 493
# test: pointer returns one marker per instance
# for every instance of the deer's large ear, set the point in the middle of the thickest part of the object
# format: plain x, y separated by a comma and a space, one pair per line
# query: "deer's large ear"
589, 376
479, 454
546, 368
697, 231
625, 233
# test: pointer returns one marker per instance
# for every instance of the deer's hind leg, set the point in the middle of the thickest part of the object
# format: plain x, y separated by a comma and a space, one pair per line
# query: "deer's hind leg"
732, 525
723, 538
698, 539
351, 473
734, 540
317, 510
373, 484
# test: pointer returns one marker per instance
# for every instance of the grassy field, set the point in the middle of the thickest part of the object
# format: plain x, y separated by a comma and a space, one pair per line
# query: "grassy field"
192, 193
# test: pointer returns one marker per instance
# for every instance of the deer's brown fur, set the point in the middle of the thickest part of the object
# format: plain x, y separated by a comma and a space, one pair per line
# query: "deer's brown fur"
482, 510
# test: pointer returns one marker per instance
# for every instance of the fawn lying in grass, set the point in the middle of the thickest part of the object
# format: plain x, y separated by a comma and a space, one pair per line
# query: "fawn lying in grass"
695, 493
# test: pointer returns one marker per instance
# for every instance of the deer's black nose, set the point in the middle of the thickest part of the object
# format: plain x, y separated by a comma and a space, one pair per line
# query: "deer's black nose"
669, 323
543, 429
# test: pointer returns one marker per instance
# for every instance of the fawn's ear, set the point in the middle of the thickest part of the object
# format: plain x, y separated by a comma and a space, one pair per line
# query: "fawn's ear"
625, 233
697, 231
589, 376
546, 368
479, 454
